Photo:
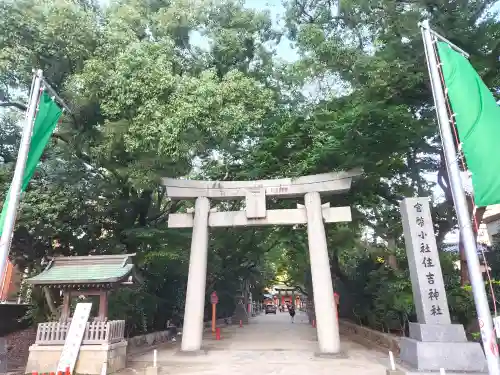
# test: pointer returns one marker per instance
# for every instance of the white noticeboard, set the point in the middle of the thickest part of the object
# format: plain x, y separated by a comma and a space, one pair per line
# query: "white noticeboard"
74, 337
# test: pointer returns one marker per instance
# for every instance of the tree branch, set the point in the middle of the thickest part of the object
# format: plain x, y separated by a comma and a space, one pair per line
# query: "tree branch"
375, 228
443, 179
169, 209
86, 158
18, 105
335, 267
273, 245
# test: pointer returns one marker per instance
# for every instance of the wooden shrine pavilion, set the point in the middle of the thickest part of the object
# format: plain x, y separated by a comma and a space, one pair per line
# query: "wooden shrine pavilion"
87, 276
103, 339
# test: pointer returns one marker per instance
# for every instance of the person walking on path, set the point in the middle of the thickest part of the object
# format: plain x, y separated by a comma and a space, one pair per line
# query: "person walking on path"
291, 311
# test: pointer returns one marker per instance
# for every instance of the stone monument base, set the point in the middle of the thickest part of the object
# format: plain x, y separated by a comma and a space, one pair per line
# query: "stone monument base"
44, 358
435, 346
401, 370
240, 313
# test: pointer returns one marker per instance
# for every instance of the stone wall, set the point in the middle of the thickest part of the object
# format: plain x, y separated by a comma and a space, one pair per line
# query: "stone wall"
154, 338
12, 314
370, 337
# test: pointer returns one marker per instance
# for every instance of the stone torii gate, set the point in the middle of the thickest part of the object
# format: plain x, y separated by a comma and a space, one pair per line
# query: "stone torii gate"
313, 213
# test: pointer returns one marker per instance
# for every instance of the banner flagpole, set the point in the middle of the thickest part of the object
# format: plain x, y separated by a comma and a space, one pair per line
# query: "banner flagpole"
476, 278
17, 180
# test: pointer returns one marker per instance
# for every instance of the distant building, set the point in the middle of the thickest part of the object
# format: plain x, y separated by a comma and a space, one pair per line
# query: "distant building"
491, 219
282, 294
483, 246
452, 247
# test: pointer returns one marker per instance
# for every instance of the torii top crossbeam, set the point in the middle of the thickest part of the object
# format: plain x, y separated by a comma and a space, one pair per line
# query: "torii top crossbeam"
254, 193
325, 183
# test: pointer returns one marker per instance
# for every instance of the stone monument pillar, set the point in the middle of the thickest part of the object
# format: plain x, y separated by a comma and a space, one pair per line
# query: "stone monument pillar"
434, 342
327, 325
192, 332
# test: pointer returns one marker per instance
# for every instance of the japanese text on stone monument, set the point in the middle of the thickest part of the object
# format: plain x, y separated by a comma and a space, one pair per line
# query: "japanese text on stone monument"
423, 260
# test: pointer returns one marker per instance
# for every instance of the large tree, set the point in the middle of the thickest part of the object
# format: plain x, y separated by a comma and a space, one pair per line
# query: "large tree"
194, 89
373, 54
147, 101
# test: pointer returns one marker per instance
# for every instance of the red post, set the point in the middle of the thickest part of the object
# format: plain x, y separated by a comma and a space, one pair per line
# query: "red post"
241, 323
314, 324
214, 316
217, 333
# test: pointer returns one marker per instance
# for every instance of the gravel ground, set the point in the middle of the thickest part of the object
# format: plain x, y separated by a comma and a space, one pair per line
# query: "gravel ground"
18, 344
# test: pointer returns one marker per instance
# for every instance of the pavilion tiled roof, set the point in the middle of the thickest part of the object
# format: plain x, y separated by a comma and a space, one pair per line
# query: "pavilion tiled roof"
96, 270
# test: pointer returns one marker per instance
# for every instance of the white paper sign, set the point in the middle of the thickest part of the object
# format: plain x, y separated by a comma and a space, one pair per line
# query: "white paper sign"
74, 337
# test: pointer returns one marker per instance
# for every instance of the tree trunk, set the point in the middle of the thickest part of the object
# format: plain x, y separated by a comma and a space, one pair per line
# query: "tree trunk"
392, 261
50, 302
311, 315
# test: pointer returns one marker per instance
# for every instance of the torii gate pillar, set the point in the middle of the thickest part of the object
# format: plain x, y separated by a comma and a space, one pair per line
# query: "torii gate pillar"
325, 308
314, 214
192, 331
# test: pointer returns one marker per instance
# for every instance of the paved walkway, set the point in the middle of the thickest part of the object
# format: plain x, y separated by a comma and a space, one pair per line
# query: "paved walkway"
270, 344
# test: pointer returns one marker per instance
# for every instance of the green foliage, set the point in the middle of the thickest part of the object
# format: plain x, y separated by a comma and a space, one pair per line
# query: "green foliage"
146, 103
461, 304
382, 296
392, 303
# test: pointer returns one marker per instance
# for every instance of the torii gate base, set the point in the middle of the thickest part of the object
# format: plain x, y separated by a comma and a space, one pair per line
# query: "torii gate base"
313, 213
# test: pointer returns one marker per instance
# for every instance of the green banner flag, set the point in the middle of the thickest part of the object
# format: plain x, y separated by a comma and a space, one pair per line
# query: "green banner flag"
477, 117
45, 122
